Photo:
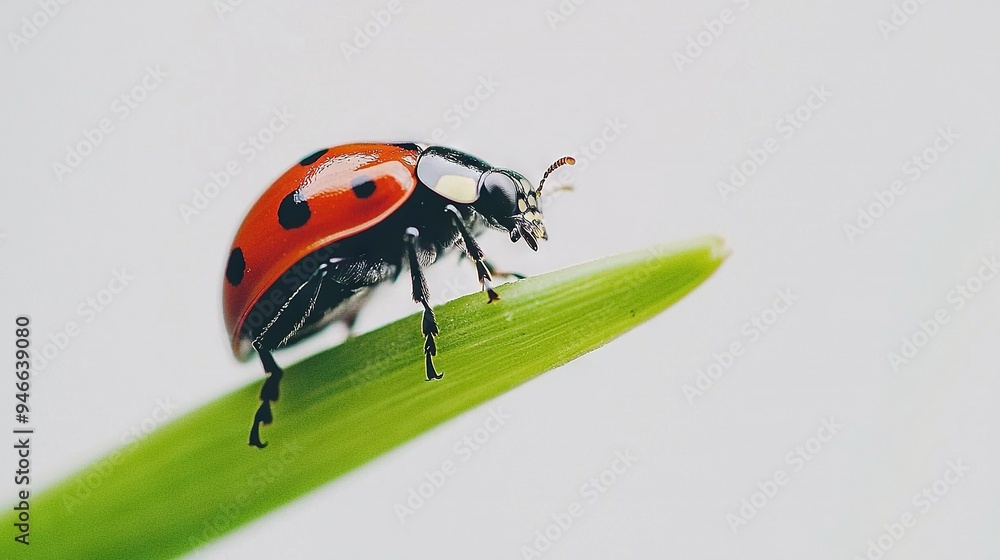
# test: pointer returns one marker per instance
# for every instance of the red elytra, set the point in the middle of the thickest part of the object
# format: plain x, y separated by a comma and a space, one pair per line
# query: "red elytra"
269, 249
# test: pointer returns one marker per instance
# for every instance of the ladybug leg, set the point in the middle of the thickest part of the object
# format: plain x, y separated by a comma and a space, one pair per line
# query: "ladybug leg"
349, 321
268, 340
428, 325
268, 393
475, 253
355, 303
495, 271
552, 194
503, 273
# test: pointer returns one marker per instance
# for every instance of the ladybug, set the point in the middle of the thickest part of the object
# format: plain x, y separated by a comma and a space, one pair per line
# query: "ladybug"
346, 219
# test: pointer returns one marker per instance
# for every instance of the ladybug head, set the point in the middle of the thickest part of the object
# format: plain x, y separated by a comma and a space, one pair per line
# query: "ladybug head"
502, 196
507, 198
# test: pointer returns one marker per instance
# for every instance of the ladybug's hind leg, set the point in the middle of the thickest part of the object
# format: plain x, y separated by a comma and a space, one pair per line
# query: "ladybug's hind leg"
275, 334
428, 325
268, 394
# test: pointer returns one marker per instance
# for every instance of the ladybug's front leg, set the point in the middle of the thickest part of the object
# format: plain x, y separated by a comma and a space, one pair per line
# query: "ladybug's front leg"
428, 326
475, 253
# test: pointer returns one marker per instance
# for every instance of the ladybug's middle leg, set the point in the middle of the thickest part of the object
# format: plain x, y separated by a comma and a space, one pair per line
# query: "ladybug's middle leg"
475, 253
429, 326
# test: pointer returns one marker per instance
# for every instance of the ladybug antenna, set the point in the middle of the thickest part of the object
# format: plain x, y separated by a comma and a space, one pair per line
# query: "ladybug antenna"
568, 160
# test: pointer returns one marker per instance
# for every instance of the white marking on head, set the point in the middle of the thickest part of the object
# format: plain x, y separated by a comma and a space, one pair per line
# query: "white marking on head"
457, 188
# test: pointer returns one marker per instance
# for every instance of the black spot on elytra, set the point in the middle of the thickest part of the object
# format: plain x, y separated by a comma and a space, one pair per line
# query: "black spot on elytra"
293, 211
236, 268
363, 187
310, 159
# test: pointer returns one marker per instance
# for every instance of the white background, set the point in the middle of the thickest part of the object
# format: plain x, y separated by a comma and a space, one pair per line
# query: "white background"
826, 356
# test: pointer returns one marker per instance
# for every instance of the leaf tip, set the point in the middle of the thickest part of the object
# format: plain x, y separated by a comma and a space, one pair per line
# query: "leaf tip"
720, 250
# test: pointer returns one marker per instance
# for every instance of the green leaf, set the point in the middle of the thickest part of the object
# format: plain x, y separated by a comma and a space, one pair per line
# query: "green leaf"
197, 479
